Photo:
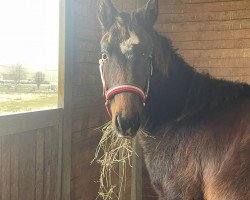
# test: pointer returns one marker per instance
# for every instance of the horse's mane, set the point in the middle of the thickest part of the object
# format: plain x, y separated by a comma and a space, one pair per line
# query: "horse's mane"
196, 93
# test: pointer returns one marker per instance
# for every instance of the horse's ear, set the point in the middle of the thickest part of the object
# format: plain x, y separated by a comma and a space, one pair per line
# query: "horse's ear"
106, 14
149, 13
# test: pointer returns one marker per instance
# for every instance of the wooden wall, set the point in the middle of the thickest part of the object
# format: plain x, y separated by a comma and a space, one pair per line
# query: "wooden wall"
28, 163
88, 110
212, 35
30, 160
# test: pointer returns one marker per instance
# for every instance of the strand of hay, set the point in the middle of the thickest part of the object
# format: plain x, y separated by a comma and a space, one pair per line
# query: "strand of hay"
113, 153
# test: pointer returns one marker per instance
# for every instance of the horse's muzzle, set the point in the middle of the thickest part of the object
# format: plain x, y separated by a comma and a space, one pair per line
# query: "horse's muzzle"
127, 127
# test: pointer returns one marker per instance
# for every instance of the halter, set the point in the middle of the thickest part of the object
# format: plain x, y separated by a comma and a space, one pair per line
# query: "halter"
123, 87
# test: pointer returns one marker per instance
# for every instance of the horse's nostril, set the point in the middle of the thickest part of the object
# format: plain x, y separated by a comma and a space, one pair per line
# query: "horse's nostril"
127, 126
118, 122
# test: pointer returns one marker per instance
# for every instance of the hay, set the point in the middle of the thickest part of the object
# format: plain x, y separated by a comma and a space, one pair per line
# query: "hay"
113, 151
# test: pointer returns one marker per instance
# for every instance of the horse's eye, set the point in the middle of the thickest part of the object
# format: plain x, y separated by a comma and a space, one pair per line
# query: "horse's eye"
104, 56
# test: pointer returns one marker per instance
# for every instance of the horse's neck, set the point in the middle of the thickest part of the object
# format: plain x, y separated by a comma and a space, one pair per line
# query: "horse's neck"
167, 96
184, 93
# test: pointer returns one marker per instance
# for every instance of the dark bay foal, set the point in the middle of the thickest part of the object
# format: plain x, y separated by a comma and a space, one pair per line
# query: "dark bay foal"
200, 125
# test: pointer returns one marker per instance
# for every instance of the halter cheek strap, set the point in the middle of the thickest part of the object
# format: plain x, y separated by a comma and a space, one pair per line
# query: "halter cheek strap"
122, 87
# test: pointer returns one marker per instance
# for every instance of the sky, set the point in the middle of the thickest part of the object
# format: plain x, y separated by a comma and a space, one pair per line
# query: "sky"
29, 33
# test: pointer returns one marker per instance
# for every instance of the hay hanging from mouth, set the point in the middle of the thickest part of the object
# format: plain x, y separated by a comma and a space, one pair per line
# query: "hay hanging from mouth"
114, 154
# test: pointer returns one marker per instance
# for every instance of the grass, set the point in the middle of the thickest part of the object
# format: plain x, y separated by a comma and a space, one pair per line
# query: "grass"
26, 97
23, 105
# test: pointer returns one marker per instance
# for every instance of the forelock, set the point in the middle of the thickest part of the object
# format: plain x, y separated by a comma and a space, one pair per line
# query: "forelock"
127, 45
122, 33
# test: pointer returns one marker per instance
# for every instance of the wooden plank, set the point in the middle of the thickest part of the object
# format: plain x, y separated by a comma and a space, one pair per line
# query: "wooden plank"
91, 125
84, 175
204, 16
84, 102
5, 172
85, 55
218, 44
193, 1
80, 79
209, 35
81, 185
47, 164
61, 60
22, 122
89, 3
136, 182
203, 26
85, 136
14, 166
88, 89
54, 161
220, 62
1, 165
226, 71
245, 79
61, 191
86, 67
39, 164
59, 162
80, 113
87, 33
91, 22
27, 166
205, 7
84, 151
216, 53
242, 79
67, 27
82, 45
83, 8
89, 70
125, 185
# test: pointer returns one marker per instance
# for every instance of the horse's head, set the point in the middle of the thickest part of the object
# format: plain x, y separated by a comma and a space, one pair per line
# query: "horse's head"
126, 63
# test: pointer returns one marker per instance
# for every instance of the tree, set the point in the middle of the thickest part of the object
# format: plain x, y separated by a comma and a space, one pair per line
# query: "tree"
39, 78
17, 73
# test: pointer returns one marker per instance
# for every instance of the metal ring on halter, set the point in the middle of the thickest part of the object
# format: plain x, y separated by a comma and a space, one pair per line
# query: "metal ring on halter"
123, 87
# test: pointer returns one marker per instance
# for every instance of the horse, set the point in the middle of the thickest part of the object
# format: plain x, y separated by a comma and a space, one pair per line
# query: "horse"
198, 126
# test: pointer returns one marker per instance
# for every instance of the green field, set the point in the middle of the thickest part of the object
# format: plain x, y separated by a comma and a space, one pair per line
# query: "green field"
32, 88
20, 105
26, 98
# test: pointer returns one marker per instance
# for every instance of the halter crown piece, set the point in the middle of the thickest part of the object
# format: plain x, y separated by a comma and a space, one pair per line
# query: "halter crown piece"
122, 87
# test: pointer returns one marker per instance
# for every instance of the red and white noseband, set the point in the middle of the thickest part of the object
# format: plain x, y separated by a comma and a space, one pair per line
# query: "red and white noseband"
122, 87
